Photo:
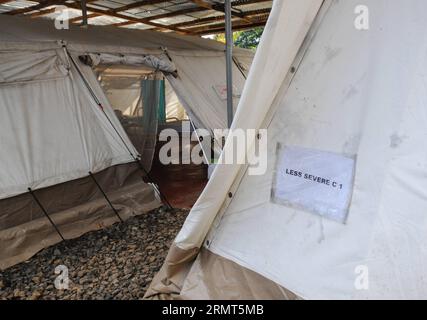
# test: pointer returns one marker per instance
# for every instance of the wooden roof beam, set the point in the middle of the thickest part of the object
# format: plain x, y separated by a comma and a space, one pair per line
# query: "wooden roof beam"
130, 18
41, 13
165, 15
128, 7
238, 25
41, 5
80, 18
216, 7
251, 14
219, 8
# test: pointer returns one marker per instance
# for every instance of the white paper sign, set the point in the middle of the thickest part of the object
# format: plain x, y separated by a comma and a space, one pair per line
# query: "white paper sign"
316, 181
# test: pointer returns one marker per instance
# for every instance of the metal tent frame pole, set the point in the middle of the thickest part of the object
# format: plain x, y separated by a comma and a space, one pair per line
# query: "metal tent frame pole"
84, 13
45, 213
229, 60
105, 196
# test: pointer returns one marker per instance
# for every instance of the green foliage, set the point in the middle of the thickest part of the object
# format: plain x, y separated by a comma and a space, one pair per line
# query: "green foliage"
221, 37
248, 39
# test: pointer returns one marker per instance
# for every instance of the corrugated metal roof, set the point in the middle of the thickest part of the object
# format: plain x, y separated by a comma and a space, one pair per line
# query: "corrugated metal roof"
176, 15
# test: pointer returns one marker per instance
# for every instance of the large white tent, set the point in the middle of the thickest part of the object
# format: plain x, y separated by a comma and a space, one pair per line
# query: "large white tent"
57, 124
326, 88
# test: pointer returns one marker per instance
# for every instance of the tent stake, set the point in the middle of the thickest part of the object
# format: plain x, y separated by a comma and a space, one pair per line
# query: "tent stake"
45, 212
105, 196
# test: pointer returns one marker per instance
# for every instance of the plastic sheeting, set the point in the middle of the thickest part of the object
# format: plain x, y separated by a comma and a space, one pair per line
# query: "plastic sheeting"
313, 180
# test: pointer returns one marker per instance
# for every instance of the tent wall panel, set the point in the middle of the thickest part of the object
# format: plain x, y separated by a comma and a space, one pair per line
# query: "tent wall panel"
54, 131
22, 208
75, 206
359, 93
202, 74
56, 124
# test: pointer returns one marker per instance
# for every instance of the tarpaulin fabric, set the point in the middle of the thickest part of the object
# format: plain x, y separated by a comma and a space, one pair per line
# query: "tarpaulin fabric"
76, 207
201, 61
205, 73
174, 109
285, 33
53, 131
351, 92
56, 122
244, 62
210, 277
160, 62
351, 104
271, 66
105, 39
25, 66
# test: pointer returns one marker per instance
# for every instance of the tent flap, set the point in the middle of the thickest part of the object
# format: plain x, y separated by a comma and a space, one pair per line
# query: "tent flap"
26, 66
161, 62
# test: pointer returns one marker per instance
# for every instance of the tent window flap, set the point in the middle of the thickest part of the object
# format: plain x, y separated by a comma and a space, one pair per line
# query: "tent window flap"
28, 66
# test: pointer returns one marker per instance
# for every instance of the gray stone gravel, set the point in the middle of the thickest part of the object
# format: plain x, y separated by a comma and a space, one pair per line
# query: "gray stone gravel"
115, 263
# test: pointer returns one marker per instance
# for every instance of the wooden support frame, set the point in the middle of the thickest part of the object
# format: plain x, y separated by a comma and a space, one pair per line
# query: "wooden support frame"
207, 5
197, 26
111, 13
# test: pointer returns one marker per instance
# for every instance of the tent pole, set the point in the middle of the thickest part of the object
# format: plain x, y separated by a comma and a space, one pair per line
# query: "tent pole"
45, 212
200, 141
105, 196
84, 13
229, 60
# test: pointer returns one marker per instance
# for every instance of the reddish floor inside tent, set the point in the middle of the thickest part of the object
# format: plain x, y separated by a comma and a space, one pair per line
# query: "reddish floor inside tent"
181, 184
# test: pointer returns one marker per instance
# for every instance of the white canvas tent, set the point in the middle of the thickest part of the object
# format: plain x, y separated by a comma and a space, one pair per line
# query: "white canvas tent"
57, 124
319, 83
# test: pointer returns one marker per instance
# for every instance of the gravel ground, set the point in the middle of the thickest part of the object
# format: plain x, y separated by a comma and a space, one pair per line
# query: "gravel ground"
115, 263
